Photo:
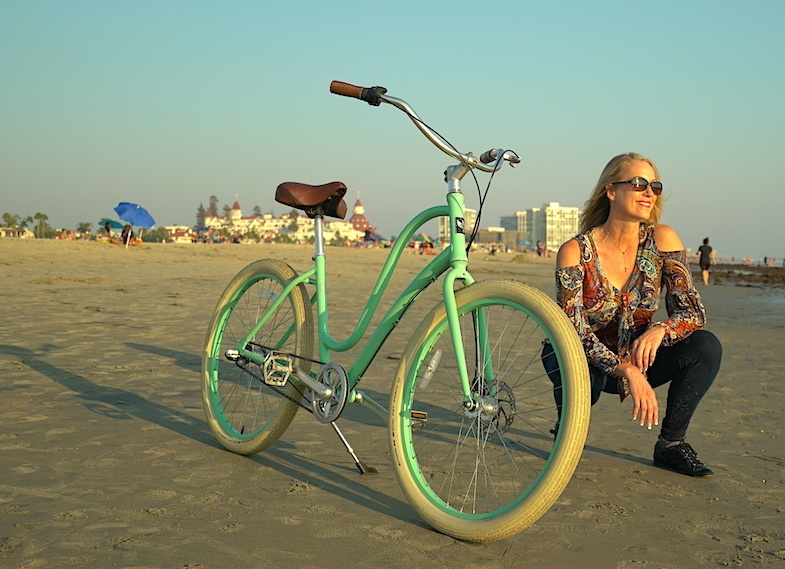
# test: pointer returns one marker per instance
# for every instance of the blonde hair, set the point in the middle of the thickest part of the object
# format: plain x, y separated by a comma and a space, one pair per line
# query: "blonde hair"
598, 206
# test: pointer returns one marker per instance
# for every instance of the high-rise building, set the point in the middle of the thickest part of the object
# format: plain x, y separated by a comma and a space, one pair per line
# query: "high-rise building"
551, 224
509, 222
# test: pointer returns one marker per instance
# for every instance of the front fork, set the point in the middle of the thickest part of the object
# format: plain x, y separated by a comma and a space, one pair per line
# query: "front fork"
459, 272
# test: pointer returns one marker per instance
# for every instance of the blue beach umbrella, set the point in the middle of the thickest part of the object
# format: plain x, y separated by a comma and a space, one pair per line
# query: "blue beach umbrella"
135, 215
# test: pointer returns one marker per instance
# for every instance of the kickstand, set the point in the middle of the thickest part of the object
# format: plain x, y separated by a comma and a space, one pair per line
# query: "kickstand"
360, 466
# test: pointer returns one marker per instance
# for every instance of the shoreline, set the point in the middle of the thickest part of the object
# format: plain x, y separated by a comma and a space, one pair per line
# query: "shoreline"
745, 275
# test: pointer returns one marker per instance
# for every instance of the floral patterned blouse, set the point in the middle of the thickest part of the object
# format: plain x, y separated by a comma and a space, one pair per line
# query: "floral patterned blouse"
607, 318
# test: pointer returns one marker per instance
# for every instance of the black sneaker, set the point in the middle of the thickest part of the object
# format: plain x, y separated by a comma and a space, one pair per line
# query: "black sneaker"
680, 458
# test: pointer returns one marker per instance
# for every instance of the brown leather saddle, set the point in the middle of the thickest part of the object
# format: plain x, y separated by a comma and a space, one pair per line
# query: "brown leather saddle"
326, 199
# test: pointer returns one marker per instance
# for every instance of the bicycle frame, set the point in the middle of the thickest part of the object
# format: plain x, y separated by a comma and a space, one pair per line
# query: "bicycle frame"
453, 260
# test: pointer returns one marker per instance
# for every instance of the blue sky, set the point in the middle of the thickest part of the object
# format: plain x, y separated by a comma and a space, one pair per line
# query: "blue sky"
167, 103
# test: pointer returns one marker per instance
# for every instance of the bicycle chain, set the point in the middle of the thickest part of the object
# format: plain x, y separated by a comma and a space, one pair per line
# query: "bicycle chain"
287, 354
260, 379
278, 391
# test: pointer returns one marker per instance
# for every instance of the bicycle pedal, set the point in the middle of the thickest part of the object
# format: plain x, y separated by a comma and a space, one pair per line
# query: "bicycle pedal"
277, 369
419, 419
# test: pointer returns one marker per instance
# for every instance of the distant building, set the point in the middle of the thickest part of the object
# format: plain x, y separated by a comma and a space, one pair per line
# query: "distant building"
522, 227
552, 224
509, 222
181, 234
503, 239
358, 219
298, 227
18, 232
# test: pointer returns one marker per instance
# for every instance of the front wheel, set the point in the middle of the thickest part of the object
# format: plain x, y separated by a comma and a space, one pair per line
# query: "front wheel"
486, 467
246, 414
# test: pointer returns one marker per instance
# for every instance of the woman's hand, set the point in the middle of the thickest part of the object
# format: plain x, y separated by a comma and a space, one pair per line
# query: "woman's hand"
644, 348
644, 401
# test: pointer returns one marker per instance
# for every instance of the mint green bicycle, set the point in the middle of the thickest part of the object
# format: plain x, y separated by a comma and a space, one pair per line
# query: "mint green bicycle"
471, 409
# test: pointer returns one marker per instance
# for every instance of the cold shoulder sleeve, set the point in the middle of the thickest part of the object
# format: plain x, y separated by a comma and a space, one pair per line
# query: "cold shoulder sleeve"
569, 295
686, 312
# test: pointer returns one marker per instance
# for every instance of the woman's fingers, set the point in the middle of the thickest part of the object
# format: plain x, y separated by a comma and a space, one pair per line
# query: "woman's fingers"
645, 407
643, 352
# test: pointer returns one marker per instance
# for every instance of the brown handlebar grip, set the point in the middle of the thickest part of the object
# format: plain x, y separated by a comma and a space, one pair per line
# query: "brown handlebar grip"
346, 89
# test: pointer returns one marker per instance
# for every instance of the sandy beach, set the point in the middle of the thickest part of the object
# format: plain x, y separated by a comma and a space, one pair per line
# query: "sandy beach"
106, 459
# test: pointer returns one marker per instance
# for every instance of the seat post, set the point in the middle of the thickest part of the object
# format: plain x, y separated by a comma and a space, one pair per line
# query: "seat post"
318, 236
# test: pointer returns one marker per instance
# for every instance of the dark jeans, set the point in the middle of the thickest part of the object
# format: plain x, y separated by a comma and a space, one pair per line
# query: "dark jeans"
690, 365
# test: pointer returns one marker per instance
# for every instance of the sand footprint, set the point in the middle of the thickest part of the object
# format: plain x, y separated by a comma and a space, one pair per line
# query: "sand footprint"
60, 431
25, 468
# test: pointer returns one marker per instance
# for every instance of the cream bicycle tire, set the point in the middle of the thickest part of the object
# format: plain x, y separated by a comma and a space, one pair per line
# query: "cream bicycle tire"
245, 415
475, 476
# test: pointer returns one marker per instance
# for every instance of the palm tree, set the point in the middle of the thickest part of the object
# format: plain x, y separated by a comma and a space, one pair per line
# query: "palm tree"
84, 227
11, 219
40, 229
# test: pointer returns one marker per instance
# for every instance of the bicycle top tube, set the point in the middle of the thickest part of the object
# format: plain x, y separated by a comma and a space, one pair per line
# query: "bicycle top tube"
489, 161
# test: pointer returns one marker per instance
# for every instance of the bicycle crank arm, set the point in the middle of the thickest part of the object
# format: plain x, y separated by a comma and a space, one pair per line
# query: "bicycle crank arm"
320, 390
367, 402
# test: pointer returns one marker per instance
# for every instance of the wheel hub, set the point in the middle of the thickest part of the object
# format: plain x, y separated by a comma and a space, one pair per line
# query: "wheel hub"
496, 408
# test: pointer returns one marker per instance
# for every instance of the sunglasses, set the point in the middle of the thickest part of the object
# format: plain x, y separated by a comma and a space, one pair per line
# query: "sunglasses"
640, 184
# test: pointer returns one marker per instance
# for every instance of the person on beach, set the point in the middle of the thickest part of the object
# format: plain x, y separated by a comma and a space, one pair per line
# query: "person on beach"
106, 231
608, 281
707, 259
127, 234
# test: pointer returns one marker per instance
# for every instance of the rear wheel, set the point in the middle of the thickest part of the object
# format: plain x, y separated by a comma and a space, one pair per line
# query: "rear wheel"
488, 468
245, 414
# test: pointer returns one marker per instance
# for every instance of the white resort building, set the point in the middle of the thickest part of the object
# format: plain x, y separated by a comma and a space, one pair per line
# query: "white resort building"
297, 226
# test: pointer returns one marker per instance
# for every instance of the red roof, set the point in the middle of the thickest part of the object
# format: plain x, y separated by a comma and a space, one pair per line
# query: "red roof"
358, 220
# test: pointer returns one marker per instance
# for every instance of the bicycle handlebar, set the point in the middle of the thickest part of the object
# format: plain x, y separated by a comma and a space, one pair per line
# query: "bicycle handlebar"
371, 95
376, 95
